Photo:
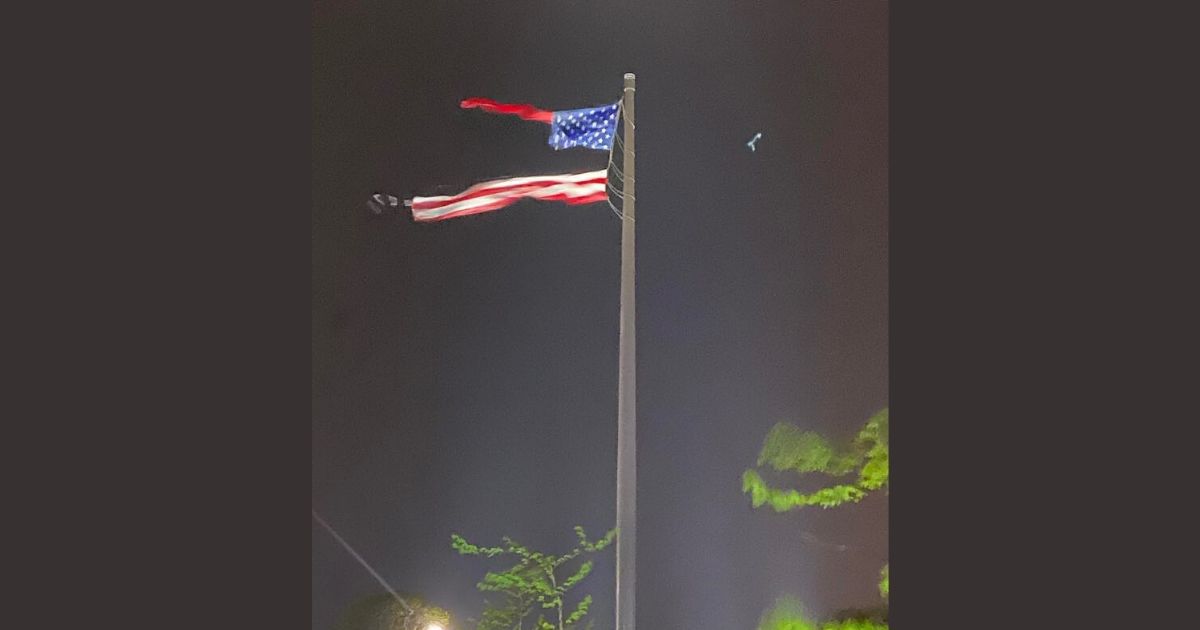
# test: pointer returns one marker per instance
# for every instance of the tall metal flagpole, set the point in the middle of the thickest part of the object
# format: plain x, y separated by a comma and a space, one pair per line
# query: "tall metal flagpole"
627, 388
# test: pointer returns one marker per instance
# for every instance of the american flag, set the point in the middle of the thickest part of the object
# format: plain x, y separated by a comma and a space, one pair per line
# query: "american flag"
590, 128
579, 188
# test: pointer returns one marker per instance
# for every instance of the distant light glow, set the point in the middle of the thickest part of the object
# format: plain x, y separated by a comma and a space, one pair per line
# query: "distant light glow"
434, 626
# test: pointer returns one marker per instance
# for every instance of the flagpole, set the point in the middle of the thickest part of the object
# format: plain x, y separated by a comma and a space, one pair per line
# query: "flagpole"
627, 386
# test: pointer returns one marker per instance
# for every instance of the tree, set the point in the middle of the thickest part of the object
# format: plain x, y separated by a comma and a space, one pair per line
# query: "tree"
383, 612
790, 449
537, 581
786, 449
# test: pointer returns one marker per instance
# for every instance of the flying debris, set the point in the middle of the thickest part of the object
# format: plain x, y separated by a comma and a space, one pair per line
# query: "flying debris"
380, 202
753, 140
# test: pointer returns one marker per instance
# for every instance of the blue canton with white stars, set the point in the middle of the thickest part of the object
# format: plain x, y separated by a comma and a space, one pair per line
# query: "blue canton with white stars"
591, 128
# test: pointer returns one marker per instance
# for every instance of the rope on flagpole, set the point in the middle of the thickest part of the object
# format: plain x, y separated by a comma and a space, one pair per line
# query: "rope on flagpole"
617, 142
620, 173
612, 148
620, 193
613, 165
614, 209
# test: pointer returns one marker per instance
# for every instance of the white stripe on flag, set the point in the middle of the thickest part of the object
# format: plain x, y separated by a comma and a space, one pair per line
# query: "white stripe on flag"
572, 189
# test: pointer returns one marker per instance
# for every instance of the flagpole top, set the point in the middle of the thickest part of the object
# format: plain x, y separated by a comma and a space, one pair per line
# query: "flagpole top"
629, 80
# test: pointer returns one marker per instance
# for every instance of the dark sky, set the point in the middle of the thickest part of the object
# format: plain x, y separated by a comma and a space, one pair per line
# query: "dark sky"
465, 372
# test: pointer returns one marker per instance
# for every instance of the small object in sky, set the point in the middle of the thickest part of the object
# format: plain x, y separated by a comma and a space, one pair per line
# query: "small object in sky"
753, 140
379, 202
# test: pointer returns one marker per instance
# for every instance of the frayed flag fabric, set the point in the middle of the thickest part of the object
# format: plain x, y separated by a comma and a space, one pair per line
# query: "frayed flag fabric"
574, 189
525, 111
588, 128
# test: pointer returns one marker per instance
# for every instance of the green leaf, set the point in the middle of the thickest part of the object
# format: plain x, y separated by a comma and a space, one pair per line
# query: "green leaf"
788, 448
580, 611
534, 582
465, 548
584, 570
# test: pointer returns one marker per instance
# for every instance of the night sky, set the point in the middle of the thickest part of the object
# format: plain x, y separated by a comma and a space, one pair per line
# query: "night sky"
465, 372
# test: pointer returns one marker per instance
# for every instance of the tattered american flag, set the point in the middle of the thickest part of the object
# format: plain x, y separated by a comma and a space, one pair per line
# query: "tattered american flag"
579, 188
588, 128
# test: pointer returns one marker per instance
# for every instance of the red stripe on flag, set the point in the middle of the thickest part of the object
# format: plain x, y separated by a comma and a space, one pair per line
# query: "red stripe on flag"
525, 111
501, 203
495, 188
572, 189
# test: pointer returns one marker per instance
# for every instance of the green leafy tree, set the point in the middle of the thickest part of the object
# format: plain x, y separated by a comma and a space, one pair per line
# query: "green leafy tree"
383, 612
789, 449
536, 582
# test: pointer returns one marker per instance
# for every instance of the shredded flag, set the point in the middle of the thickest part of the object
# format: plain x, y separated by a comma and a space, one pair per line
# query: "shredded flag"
579, 188
589, 128
527, 112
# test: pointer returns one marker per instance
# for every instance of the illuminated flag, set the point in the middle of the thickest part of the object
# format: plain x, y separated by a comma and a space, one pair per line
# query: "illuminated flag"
589, 128
579, 188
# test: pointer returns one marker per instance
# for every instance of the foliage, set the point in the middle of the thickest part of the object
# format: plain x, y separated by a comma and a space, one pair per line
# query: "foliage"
789, 449
538, 581
383, 612
788, 614
855, 624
